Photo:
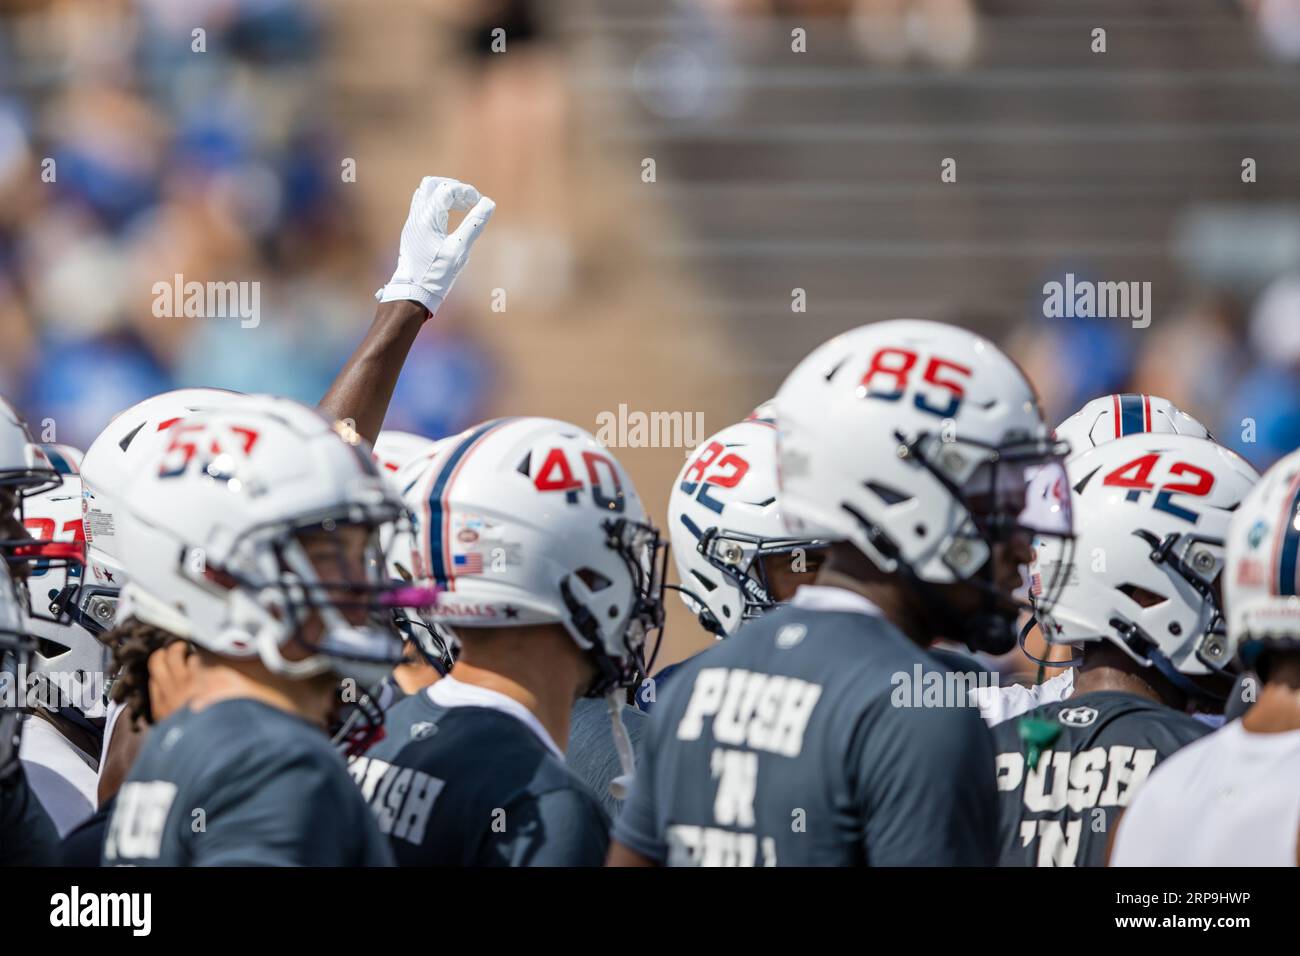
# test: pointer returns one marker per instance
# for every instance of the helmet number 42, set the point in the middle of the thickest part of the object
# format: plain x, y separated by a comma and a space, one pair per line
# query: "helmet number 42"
1136, 476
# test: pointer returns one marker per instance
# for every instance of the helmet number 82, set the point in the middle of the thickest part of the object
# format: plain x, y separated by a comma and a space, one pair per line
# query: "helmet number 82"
888, 375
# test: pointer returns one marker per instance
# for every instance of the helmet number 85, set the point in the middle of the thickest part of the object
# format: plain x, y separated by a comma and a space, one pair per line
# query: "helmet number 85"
888, 375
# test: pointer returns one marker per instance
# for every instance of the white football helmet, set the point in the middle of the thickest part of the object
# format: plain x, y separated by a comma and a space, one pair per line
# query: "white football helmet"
1262, 584
524, 521
71, 657
106, 470
210, 524
395, 449
1114, 416
1151, 514
724, 519
24, 472
918, 442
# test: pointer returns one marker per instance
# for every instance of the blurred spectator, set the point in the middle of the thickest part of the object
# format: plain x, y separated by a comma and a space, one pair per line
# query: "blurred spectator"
159, 152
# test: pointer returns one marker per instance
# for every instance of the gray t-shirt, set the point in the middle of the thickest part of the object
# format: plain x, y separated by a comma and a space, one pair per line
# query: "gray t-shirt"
591, 753
787, 745
472, 786
240, 783
1066, 769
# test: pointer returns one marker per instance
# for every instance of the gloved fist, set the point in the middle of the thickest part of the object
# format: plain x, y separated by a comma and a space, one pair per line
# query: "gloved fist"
429, 259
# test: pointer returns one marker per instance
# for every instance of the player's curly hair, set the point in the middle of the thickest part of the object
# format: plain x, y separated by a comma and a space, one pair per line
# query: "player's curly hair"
132, 642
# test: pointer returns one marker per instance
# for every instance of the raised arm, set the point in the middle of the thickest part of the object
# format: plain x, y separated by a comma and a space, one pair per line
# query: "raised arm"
428, 261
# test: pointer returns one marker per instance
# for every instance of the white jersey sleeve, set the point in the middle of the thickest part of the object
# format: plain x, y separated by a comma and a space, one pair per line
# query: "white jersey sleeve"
1231, 798
1002, 703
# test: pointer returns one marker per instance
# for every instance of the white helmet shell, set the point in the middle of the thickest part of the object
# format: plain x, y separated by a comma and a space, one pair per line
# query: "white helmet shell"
724, 518
525, 521
1115, 416
109, 463
209, 524
877, 427
1262, 584
70, 656
1151, 515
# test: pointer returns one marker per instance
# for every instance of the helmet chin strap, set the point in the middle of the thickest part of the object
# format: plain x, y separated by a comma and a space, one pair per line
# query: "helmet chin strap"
1130, 633
621, 785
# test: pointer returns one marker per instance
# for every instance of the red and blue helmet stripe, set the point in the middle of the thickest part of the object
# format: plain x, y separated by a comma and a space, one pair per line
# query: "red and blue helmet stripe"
1132, 414
1287, 550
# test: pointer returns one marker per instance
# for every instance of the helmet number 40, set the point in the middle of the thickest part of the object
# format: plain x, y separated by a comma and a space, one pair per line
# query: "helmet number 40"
557, 475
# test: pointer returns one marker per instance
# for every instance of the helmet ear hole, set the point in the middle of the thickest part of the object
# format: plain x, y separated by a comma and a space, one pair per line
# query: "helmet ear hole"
886, 494
594, 580
709, 585
1142, 596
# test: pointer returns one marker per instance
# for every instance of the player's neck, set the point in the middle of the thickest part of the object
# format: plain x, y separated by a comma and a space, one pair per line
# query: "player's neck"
884, 594
1278, 707
216, 680
1109, 669
1277, 710
542, 670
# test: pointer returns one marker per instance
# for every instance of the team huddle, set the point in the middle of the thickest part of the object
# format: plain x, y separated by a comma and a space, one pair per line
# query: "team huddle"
238, 630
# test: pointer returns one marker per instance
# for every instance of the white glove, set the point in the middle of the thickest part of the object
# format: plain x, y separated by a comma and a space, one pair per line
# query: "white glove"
429, 260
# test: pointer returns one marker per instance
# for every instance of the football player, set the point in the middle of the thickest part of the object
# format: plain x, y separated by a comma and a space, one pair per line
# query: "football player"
910, 445
63, 740
253, 534
1100, 420
1140, 606
547, 568
27, 835
735, 560
430, 651
90, 601
1233, 798
60, 748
